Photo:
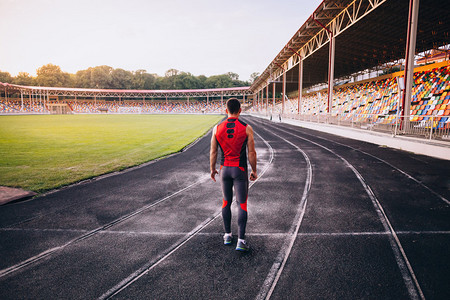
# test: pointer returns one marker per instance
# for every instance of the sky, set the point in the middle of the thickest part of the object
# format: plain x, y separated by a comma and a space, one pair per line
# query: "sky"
203, 37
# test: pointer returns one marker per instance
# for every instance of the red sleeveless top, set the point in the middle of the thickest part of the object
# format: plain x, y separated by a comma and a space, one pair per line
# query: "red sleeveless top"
232, 138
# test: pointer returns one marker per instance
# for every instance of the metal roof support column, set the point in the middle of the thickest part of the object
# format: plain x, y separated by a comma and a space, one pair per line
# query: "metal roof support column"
267, 99
221, 99
284, 92
166, 100
260, 97
331, 76
244, 98
409, 60
261, 100
330, 65
300, 85
21, 97
207, 99
273, 96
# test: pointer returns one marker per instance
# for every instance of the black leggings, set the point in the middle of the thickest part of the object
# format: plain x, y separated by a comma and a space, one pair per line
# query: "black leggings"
237, 177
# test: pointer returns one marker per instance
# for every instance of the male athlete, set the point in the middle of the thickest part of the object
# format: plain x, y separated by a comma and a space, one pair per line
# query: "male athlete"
233, 138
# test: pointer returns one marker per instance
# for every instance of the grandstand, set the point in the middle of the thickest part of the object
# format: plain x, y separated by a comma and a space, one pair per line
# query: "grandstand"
371, 103
374, 104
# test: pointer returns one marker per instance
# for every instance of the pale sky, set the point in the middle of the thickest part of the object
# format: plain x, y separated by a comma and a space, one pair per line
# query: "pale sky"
203, 37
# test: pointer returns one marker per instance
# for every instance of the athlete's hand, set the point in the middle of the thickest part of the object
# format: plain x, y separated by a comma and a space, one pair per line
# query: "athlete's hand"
213, 174
253, 176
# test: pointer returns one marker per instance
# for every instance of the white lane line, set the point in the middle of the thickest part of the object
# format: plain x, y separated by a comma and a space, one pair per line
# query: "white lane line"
88, 234
280, 261
177, 245
392, 166
409, 277
272, 234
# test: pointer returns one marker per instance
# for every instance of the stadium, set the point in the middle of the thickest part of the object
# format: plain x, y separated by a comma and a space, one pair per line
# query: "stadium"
351, 122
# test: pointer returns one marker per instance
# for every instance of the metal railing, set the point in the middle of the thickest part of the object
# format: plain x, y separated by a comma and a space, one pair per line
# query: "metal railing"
429, 127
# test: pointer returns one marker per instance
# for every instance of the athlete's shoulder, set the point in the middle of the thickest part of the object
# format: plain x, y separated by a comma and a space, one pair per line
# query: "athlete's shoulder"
221, 123
242, 122
249, 129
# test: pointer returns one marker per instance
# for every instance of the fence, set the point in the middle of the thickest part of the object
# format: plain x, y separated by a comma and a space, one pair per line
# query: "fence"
431, 127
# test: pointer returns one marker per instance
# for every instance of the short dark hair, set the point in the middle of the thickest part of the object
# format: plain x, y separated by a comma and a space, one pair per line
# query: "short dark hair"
233, 106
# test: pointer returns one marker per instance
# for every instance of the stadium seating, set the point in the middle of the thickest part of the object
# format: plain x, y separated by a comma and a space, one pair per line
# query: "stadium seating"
373, 101
376, 101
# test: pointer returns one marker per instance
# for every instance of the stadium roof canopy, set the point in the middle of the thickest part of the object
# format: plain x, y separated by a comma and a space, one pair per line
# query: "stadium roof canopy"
116, 93
368, 33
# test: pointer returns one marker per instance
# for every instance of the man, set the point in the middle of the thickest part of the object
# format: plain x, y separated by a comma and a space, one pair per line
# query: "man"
233, 137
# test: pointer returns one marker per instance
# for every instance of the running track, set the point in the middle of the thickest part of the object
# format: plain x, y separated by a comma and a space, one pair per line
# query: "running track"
329, 218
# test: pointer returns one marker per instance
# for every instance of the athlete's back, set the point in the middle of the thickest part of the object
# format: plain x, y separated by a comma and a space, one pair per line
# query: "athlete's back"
232, 138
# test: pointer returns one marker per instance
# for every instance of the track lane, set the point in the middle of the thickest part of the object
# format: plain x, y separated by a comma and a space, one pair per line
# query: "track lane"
204, 264
409, 277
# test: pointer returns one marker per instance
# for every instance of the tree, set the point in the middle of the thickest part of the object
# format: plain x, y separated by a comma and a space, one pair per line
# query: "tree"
121, 79
202, 81
233, 76
219, 81
172, 72
101, 77
51, 75
5, 77
23, 78
83, 79
143, 81
254, 76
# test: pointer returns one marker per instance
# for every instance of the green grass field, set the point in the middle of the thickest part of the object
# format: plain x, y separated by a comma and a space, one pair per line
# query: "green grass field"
39, 153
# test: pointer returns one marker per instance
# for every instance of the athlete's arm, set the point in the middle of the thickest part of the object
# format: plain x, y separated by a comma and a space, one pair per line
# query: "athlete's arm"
213, 154
251, 152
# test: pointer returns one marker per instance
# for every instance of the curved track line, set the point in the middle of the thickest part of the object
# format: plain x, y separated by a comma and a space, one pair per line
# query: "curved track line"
277, 267
404, 265
177, 245
391, 165
48, 252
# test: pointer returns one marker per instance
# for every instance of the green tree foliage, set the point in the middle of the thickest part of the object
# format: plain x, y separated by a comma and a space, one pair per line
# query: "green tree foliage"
51, 75
23, 78
106, 77
254, 76
143, 81
101, 77
121, 79
5, 77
